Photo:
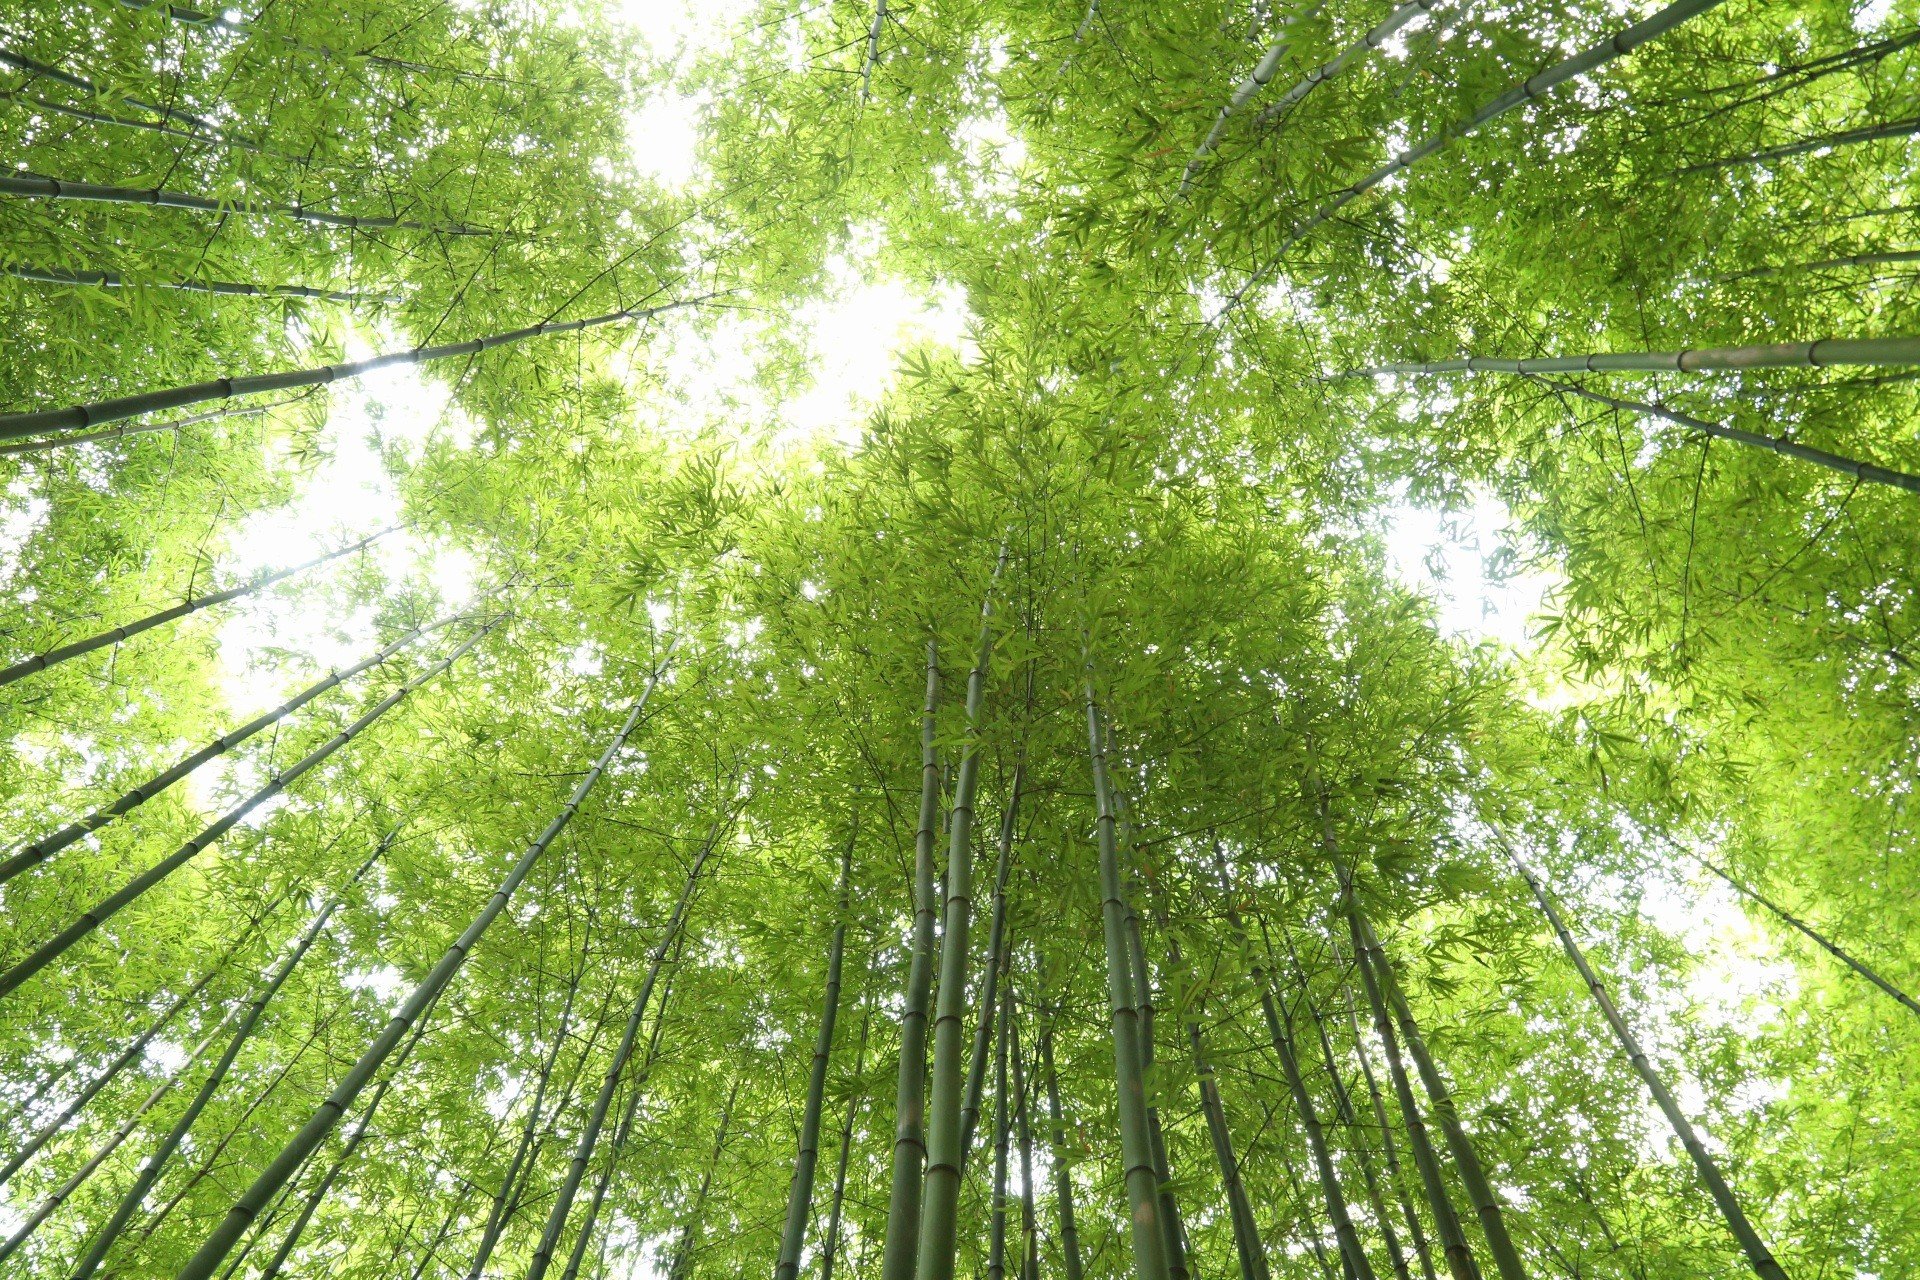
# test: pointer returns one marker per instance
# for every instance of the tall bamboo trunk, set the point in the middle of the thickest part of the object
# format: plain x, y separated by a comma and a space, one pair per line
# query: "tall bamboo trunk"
1819, 354
1278, 1030
53, 657
1465, 1159
109, 906
1023, 1130
1062, 1176
225, 288
946, 1152
40, 850
1247, 1244
1136, 1151
682, 1265
1825, 142
1759, 1257
136, 1195
1374, 38
142, 428
909, 1106
93, 192
1345, 1114
1390, 1153
800, 1194
617, 1065
1262, 73
283, 1166
13, 426
997, 1213
989, 984
830, 1247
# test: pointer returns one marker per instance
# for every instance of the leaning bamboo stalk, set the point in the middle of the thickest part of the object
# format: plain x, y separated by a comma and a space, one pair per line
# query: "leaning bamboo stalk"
1863, 471
1246, 1229
868, 63
1374, 38
1885, 257
1062, 1175
1479, 1190
229, 288
124, 122
113, 903
203, 128
1143, 1185
909, 1108
40, 850
622, 1131
1819, 354
1389, 1149
1615, 46
1759, 1257
1262, 73
129, 1055
73, 1181
989, 983
807, 1158
1351, 1251
39, 188
251, 1201
143, 428
35, 422
1844, 138
830, 1246
940, 1200
55, 656
617, 1065
690, 1229
1826, 944
136, 1194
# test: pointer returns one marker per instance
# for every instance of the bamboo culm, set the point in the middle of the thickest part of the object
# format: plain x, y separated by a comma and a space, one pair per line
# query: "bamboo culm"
940, 1199
40, 850
1074, 1268
1863, 471
617, 1066
255, 1009
1821, 354
997, 1208
144, 428
690, 1229
35, 422
830, 1246
34, 187
1389, 1149
1486, 1205
1171, 1226
989, 985
53, 657
132, 1053
202, 127
1262, 73
1374, 38
909, 1108
225, 288
1615, 46
1759, 1257
1825, 142
113, 903
1823, 942
1246, 1230
1142, 1184
807, 1158
283, 1166
1023, 1135
1335, 1199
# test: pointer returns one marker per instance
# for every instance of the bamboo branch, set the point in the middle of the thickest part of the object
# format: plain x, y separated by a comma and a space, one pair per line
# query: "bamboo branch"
1378, 36
1263, 72
114, 280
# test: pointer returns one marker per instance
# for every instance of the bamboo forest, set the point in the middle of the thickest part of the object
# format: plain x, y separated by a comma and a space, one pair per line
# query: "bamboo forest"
960, 639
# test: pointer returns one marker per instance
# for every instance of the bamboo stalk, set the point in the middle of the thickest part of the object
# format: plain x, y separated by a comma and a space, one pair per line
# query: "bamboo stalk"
1863, 471
1844, 138
1142, 1183
946, 1152
33, 186
617, 1068
1262, 73
690, 1230
997, 1208
111, 905
204, 128
1615, 46
114, 280
800, 1192
1248, 1247
136, 1194
142, 428
1062, 1175
1759, 1257
251, 1201
830, 1246
1374, 38
35, 422
53, 657
40, 850
1881, 258
1023, 1132
873, 49
1820, 354
909, 1109
989, 985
